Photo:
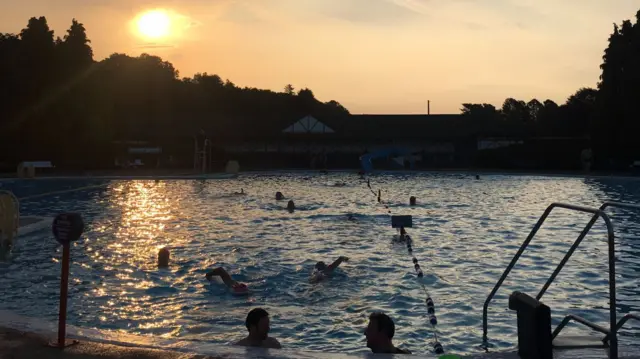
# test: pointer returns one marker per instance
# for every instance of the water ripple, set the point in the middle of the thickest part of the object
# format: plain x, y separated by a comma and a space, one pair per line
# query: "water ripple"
465, 232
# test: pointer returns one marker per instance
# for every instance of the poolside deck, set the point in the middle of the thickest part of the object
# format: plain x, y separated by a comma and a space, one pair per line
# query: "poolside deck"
15, 344
18, 345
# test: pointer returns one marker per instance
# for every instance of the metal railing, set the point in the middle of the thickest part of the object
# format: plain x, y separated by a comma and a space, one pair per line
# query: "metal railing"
597, 213
580, 320
622, 322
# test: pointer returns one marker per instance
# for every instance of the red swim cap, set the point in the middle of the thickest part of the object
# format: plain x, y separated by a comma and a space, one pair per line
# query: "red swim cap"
240, 288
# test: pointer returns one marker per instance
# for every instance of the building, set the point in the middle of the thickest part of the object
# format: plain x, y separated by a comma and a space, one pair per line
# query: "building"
434, 141
310, 141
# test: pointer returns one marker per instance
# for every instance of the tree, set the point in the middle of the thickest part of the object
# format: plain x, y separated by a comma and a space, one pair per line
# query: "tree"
615, 126
306, 100
75, 53
483, 111
534, 108
337, 107
515, 110
289, 90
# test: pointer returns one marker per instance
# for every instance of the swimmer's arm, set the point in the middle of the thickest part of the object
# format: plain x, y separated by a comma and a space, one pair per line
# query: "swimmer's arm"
226, 278
337, 263
272, 343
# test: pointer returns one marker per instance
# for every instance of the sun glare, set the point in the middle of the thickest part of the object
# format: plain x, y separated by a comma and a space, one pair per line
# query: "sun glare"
155, 24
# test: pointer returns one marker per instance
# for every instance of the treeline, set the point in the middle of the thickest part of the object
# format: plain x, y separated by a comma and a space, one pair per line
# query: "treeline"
535, 118
608, 115
57, 103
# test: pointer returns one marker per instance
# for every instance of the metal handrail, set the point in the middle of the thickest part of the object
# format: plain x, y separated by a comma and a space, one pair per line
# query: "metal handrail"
613, 350
580, 320
577, 242
622, 322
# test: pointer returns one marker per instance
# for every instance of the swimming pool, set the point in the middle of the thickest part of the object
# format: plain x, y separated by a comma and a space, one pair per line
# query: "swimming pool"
465, 232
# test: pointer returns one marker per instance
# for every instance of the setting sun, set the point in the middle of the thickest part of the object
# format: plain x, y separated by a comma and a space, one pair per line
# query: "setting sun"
155, 24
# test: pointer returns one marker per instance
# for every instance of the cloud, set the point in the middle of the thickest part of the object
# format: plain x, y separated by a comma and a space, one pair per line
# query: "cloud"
155, 46
376, 12
239, 12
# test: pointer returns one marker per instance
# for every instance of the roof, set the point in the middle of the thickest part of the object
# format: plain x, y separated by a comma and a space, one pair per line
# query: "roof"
366, 127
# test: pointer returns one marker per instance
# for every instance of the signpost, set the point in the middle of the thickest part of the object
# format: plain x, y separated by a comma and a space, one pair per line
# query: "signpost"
67, 228
401, 221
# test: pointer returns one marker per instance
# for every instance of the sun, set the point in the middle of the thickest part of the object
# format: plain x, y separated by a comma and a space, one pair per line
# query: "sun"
154, 24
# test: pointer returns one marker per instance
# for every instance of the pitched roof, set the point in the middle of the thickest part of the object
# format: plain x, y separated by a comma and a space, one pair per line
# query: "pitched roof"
308, 124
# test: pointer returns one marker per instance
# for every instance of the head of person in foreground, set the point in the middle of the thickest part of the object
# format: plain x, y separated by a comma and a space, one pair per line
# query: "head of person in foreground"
258, 325
380, 333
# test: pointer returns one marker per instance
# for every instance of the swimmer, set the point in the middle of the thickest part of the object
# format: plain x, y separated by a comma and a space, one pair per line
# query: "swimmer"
241, 193
291, 206
236, 287
412, 201
163, 258
279, 196
379, 334
257, 324
321, 270
403, 237
350, 217
477, 177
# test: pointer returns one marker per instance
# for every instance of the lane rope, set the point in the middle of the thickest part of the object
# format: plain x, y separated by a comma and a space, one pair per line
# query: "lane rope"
431, 309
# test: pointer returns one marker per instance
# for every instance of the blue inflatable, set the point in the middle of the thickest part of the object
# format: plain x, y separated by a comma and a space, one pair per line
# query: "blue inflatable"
366, 161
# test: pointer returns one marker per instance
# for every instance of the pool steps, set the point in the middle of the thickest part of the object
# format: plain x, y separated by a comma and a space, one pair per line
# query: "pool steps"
535, 339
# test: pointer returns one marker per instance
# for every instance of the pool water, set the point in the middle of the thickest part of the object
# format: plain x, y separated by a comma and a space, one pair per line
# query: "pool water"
465, 233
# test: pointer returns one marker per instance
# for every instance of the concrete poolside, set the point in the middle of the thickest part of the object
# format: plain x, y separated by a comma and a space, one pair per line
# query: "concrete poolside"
15, 344
27, 338
18, 345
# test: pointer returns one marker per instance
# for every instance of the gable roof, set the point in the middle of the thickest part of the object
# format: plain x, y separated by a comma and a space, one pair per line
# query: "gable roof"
308, 124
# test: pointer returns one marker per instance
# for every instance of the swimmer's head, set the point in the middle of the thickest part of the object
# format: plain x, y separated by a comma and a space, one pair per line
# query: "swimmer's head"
320, 266
291, 206
379, 332
240, 289
163, 258
258, 323
412, 200
477, 177
279, 196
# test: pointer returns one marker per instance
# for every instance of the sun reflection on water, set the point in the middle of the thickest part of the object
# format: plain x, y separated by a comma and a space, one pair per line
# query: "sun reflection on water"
465, 232
144, 209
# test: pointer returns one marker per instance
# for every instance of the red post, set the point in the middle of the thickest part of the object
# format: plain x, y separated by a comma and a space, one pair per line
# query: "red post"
64, 288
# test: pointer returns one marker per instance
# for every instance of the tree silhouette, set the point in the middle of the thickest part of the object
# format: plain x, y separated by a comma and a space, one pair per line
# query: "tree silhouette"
480, 111
534, 110
289, 90
515, 110
615, 126
58, 103
56, 100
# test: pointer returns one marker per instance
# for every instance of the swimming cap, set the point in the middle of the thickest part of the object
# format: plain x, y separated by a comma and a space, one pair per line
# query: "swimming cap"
240, 288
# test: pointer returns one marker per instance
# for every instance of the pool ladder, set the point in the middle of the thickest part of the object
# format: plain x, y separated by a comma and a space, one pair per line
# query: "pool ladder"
610, 339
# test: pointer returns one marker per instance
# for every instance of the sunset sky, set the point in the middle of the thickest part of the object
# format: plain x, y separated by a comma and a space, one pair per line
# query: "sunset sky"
373, 56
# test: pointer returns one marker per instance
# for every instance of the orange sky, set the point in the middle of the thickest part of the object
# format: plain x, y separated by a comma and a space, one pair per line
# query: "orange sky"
373, 56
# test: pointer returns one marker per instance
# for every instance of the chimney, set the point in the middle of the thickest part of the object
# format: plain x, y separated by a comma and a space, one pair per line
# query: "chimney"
428, 107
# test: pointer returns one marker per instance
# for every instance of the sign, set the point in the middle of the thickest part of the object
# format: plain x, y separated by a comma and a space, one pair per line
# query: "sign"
143, 150
401, 221
68, 227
